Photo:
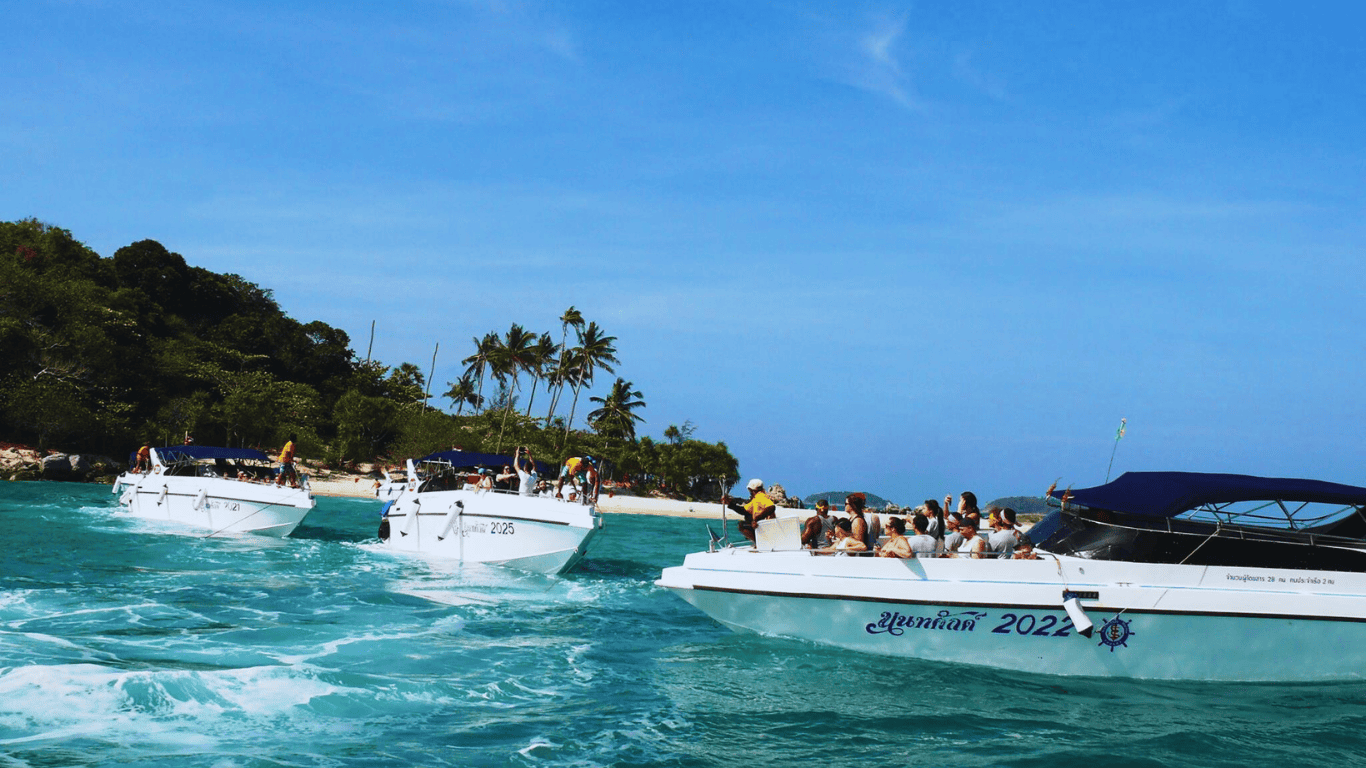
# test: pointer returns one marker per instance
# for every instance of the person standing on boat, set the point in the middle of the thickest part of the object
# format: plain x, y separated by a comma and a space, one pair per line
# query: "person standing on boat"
526, 470
287, 464
582, 472
759, 507
144, 458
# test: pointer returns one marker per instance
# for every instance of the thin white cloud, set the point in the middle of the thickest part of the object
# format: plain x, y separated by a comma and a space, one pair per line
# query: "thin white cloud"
880, 70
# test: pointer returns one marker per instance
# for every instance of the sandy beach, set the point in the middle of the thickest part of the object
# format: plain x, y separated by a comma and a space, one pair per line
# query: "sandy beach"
361, 487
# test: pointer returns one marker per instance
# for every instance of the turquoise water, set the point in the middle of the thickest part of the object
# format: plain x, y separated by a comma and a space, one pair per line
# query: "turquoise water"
125, 642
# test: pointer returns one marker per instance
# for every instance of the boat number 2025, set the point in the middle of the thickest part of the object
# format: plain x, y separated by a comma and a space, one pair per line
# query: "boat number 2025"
1028, 624
500, 527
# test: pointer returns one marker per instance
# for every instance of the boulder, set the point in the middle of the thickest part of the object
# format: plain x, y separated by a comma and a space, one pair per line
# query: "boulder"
778, 493
80, 466
57, 467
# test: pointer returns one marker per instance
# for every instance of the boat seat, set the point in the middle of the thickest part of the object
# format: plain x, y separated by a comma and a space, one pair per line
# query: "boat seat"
784, 533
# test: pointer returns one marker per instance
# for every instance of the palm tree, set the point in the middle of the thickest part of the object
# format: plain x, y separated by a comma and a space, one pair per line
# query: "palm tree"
463, 393
595, 350
540, 365
478, 363
571, 317
516, 353
615, 416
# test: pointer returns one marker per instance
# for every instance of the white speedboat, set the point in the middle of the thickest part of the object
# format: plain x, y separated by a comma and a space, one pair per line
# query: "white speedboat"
223, 490
442, 512
1162, 575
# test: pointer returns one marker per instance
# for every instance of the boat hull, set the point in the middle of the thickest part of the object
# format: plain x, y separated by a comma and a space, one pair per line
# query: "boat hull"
1178, 623
541, 535
216, 505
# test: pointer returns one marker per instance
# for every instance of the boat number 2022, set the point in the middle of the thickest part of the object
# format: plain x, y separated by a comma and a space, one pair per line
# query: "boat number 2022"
1028, 624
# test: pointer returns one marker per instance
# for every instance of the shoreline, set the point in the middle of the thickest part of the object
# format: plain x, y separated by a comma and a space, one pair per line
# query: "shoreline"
361, 487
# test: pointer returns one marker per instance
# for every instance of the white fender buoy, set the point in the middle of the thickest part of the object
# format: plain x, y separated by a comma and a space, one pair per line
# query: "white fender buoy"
412, 518
1079, 618
456, 510
162, 496
202, 500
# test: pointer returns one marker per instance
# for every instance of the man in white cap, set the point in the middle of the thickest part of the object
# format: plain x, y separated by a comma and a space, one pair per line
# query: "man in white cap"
759, 507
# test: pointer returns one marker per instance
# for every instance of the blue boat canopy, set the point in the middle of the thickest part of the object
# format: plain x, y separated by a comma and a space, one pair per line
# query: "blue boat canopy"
491, 460
1168, 494
172, 453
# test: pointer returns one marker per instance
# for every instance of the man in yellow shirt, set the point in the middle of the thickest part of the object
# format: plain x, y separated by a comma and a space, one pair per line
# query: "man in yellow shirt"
759, 507
287, 464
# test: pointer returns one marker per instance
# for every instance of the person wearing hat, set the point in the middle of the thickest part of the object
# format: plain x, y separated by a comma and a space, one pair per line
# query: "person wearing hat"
973, 546
819, 527
954, 538
759, 507
1004, 537
583, 472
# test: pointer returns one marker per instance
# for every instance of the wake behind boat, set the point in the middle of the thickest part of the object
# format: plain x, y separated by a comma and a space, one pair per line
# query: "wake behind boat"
1163, 575
442, 511
223, 490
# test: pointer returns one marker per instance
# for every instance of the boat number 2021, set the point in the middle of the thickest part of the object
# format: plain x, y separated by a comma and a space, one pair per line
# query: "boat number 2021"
1028, 624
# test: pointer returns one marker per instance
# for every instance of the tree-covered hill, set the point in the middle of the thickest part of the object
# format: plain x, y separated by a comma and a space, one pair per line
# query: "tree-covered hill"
102, 354
836, 499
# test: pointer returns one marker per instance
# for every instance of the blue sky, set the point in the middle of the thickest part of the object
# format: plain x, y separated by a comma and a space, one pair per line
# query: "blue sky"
909, 248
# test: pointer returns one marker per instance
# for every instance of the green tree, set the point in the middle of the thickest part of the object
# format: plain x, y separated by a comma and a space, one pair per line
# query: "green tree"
479, 363
616, 416
463, 393
595, 350
572, 318
515, 355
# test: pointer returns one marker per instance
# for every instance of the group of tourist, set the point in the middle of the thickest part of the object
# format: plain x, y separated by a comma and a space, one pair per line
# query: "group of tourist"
861, 530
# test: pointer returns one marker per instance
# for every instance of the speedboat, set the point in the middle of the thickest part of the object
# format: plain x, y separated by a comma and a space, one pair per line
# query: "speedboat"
224, 490
1156, 575
443, 511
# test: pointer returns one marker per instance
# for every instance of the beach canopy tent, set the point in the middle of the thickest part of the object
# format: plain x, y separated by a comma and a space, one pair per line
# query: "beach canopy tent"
1168, 494
466, 460
176, 453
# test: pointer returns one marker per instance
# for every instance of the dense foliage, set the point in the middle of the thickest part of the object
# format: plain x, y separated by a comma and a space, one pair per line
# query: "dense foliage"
100, 354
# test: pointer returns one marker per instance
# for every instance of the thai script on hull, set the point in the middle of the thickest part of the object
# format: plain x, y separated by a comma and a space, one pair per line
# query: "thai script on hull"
896, 623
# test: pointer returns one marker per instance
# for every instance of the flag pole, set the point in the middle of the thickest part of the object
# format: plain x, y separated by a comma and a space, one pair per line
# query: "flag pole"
1118, 434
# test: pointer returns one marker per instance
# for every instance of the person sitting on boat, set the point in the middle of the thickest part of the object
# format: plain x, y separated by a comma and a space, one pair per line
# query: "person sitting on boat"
526, 470
759, 507
922, 543
932, 515
1025, 549
845, 540
954, 537
897, 544
973, 546
506, 477
967, 508
853, 506
144, 461
485, 480
819, 527
287, 464
1003, 538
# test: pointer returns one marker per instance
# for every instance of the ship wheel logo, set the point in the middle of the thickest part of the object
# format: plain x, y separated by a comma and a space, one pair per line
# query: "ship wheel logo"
1115, 633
